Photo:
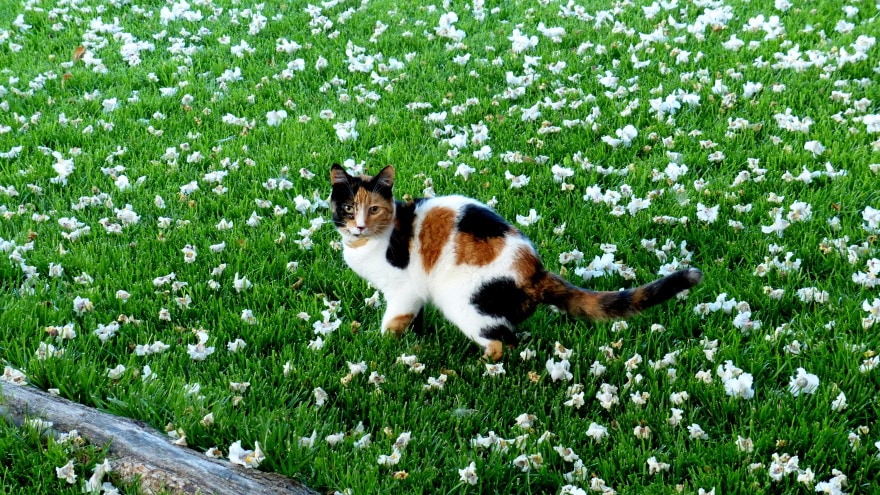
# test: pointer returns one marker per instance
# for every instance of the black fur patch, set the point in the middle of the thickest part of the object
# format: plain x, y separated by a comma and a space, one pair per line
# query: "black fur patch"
418, 324
340, 195
500, 332
618, 304
376, 186
482, 222
502, 298
667, 287
398, 246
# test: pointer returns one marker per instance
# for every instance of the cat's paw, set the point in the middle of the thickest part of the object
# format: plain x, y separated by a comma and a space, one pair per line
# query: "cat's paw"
397, 325
494, 351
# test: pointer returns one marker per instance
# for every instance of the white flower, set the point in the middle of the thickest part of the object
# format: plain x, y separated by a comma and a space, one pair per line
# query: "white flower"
642, 432
335, 438
317, 344
494, 369
675, 418
105, 332
437, 383
529, 219
521, 42
597, 432
525, 420
66, 472
376, 379
464, 170
241, 284
833, 486
116, 373
390, 460
274, 117
778, 225
744, 444
82, 305
147, 374
320, 396
708, 215
110, 104
469, 474
199, 352
189, 253
839, 404
803, 382
740, 386
326, 326
516, 181
636, 205
559, 370
782, 465
679, 398
364, 442
627, 134
483, 153
247, 458
309, 441
696, 432
528, 462
236, 345
872, 219
248, 317
94, 485
814, 147
607, 396
576, 401
800, 212
655, 467
345, 131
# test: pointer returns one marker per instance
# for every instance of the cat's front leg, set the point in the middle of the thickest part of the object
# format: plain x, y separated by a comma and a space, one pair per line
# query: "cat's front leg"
402, 308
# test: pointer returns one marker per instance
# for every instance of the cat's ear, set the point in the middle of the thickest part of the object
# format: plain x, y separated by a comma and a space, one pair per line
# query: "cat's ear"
338, 175
386, 177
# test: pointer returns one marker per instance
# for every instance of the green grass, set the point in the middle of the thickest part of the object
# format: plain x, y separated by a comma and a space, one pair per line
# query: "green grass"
278, 409
29, 459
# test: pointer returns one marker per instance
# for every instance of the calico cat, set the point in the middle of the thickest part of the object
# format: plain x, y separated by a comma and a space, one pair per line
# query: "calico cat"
457, 253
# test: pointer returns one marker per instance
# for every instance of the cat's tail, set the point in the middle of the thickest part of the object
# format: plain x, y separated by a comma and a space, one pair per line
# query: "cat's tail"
594, 305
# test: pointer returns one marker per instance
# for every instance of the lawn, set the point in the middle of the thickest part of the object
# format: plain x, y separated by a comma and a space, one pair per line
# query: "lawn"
167, 253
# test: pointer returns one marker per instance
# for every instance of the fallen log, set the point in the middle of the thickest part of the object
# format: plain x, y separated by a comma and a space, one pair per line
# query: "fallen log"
139, 452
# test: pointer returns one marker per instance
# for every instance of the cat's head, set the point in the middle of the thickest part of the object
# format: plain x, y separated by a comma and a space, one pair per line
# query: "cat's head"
363, 206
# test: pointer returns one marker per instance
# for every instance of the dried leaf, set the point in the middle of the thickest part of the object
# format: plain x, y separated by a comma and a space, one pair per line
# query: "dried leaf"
78, 53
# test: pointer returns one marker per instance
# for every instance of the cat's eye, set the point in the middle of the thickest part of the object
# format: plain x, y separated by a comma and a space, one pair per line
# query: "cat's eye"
374, 210
348, 208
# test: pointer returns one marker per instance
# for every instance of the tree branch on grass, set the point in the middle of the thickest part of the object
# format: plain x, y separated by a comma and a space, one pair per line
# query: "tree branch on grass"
137, 451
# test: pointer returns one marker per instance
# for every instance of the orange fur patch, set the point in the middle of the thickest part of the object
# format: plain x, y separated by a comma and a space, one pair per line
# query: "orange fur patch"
526, 264
399, 323
640, 298
527, 267
377, 222
434, 233
357, 243
588, 304
494, 350
553, 289
472, 250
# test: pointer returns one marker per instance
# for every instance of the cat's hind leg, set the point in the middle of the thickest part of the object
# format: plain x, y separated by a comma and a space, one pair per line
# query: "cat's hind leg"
493, 339
491, 333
